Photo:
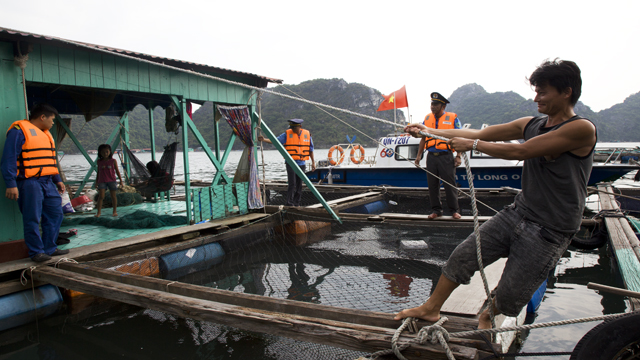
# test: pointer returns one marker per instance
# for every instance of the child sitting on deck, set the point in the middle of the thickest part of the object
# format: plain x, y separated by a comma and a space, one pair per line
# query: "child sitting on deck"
107, 170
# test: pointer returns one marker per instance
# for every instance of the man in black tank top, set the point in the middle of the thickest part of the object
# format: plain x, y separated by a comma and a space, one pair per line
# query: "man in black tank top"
536, 230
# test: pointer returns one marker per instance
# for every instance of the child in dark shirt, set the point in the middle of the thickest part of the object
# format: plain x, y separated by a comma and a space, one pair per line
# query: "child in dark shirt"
107, 170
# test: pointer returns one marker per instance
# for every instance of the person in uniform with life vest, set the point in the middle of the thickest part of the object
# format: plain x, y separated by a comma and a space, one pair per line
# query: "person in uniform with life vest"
441, 164
298, 143
30, 172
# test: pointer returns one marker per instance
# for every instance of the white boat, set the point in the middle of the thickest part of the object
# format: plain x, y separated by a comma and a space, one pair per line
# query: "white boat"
393, 165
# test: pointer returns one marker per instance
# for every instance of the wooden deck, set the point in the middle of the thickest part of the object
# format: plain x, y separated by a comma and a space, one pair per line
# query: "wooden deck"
624, 243
133, 243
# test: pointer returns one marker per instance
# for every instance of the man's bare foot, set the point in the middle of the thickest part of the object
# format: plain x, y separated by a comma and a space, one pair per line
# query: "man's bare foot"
456, 216
433, 216
115, 214
418, 312
484, 320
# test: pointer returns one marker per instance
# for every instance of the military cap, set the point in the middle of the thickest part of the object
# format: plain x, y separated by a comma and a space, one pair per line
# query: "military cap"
295, 122
438, 97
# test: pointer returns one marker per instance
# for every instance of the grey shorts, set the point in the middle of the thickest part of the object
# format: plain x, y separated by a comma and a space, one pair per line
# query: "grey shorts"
108, 185
532, 251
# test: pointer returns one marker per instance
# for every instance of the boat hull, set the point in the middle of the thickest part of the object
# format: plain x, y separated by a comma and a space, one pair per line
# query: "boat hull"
484, 177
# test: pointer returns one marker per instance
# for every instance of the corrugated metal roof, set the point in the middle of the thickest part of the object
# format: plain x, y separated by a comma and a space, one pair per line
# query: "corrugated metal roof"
16, 34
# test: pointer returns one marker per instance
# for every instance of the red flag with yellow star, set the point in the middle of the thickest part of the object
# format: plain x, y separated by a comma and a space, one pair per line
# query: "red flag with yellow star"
395, 100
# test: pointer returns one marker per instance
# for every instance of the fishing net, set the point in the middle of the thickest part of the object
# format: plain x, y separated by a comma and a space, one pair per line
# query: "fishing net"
123, 198
356, 264
137, 220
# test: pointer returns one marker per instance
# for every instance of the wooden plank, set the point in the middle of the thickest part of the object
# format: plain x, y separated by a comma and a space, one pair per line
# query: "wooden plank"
50, 67
628, 262
132, 75
355, 316
82, 68
95, 68
33, 71
192, 92
121, 73
67, 67
469, 299
78, 253
203, 93
143, 77
212, 91
165, 80
333, 333
426, 217
359, 202
109, 71
13, 286
344, 199
179, 83
154, 79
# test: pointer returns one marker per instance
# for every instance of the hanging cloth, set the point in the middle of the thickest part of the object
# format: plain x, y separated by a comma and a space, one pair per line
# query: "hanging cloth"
239, 119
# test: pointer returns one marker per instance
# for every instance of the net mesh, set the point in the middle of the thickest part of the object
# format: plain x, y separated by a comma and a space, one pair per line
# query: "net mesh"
356, 265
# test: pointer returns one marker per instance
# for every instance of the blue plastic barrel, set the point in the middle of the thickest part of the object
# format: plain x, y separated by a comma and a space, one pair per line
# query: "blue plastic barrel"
180, 263
18, 308
536, 299
375, 207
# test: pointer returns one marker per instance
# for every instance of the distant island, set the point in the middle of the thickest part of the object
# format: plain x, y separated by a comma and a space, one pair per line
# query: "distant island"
471, 102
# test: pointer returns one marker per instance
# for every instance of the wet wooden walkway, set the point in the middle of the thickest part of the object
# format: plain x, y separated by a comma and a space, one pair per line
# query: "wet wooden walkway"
624, 242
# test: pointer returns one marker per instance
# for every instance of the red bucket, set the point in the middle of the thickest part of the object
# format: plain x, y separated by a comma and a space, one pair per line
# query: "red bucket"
80, 200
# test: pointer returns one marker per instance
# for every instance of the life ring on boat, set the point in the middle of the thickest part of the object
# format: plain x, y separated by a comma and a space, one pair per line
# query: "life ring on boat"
332, 161
610, 339
359, 159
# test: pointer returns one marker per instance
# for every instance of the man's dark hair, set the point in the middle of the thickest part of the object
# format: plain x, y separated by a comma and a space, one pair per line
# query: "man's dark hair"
42, 109
561, 74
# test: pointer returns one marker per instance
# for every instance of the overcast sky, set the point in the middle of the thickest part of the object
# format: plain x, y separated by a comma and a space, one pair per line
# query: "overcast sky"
425, 45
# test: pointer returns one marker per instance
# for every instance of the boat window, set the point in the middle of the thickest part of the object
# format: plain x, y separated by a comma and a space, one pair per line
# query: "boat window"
406, 152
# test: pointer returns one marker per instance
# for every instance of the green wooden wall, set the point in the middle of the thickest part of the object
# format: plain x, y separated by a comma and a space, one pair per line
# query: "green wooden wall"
50, 64
87, 69
11, 109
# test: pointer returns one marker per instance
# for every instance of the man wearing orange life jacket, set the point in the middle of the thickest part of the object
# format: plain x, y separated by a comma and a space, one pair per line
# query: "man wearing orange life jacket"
441, 163
299, 145
30, 172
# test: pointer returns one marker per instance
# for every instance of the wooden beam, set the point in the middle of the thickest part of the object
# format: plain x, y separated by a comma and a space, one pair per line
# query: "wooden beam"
469, 299
333, 333
619, 237
344, 199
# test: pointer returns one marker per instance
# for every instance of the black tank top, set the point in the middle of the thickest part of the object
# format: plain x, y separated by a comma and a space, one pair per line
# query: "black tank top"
554, 192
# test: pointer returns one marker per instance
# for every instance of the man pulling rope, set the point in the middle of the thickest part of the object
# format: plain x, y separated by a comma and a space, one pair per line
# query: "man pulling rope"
537, 228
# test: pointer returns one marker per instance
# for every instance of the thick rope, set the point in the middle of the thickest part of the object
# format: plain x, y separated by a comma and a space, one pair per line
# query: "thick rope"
21, 62
537, 326
432, 333
24, 281
476, 227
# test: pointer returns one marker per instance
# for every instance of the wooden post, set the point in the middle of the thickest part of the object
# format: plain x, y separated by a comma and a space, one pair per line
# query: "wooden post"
152, 133
185, 154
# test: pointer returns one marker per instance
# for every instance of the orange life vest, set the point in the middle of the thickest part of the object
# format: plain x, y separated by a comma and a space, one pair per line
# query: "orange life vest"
38, 156
298, 146
447, 121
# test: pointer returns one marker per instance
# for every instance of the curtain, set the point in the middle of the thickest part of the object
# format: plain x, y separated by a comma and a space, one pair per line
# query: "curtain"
239, 119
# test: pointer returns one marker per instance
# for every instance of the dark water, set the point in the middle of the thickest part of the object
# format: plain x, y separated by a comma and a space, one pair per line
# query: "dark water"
355, 266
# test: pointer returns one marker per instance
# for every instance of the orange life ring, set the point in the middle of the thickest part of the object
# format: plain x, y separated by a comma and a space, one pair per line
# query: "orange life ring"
353, 153
340, 158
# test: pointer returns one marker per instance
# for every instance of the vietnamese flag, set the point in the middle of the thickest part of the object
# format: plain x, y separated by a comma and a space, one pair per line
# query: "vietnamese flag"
395, 100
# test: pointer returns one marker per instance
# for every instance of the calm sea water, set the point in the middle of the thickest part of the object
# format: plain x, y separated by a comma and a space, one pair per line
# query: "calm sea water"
128, 333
